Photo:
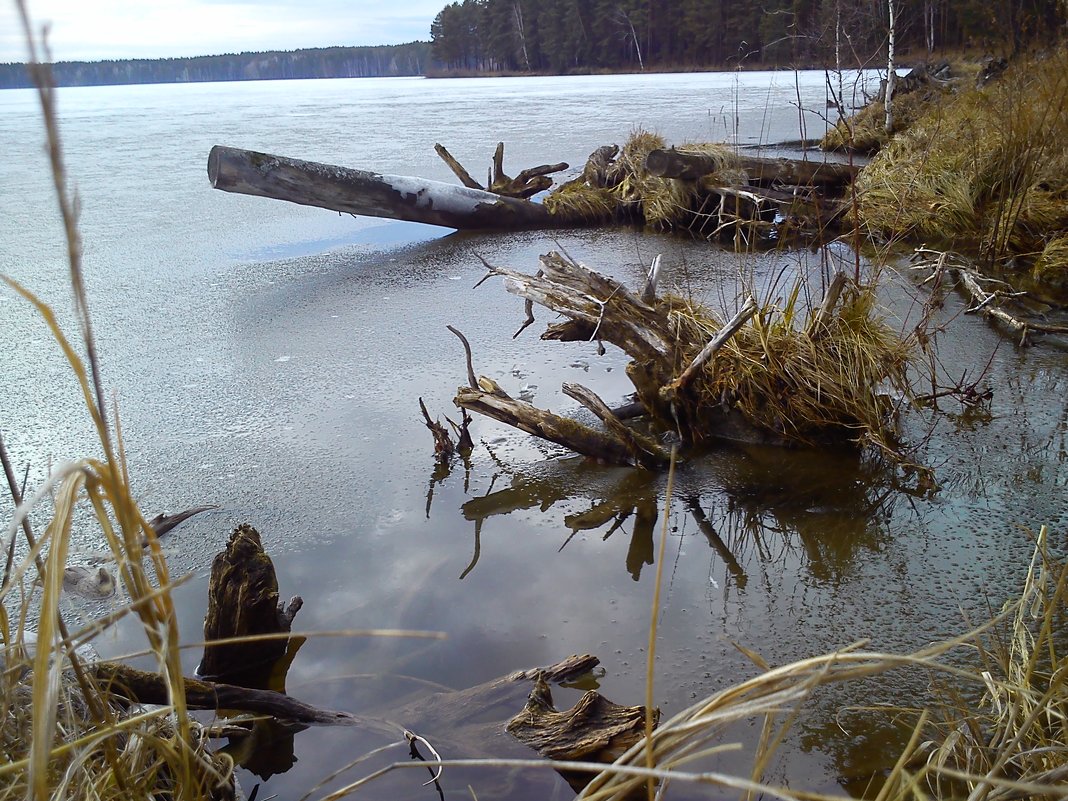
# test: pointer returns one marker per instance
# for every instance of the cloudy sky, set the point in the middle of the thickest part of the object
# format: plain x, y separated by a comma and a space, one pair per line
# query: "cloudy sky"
99, 29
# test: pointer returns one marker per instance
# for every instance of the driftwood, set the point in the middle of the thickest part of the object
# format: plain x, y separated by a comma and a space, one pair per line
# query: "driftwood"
143, 687
373, 194
664, 368
593, 730
528, 183
671, 163
243, 601
493, 402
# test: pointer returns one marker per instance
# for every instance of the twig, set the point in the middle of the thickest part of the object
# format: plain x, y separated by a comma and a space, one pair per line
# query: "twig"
471, 380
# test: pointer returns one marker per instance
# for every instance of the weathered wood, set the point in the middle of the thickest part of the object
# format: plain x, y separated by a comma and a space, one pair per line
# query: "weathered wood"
614, 313
143, 687
671, 163
457, 168
652, 280
243, 601
593, 730
525, 185
830, 300
552, 427
373, 194
645, 451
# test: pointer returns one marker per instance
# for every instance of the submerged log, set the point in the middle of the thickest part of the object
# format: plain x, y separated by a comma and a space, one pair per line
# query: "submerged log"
374, 194
671, 163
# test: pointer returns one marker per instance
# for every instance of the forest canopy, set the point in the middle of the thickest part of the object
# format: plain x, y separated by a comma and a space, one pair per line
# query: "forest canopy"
561, 36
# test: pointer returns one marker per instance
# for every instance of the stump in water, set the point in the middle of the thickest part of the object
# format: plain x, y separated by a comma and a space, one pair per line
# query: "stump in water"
243, 601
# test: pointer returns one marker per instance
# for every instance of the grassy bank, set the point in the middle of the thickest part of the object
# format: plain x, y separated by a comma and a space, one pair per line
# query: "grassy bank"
984, 172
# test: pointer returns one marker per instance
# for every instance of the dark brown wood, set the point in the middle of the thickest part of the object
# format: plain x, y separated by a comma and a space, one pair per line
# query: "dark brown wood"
242, 601
443, 446
143, 687
671, 163
373, 194
163, 522
595, 729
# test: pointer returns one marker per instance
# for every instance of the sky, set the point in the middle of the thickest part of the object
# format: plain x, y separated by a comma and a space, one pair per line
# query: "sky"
90, 30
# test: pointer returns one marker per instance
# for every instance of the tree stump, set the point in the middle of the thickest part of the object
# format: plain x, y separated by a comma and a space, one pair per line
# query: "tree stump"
242, 602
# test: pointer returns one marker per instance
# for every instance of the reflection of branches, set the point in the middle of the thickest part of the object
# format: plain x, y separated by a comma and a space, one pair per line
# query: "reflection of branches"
632, 494
718, 545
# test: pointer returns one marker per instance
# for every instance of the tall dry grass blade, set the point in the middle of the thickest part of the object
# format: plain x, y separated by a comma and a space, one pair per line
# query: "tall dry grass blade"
41, 75
650, 668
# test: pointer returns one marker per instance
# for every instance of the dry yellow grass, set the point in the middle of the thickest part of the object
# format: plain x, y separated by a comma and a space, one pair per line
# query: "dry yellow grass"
986, 172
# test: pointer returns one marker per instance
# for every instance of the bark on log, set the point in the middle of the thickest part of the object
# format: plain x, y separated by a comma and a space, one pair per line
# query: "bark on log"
374, 194
644, 451
242, 601
671, 163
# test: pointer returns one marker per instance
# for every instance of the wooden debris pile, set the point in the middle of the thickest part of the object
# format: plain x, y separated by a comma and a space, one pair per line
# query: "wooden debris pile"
712, 190
773, 375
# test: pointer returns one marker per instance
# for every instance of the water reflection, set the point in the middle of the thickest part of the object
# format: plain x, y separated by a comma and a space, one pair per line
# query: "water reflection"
824, 505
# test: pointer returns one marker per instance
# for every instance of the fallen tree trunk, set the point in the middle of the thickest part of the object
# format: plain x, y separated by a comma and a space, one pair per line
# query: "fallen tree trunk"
373, 194
671, 163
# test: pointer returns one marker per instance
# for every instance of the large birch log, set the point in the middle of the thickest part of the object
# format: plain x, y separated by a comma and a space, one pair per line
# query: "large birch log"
671, 163
373, 194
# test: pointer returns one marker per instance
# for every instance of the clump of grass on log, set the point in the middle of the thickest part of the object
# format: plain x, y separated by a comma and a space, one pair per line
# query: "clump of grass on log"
633, 194
986, 172
579, 201
807, 381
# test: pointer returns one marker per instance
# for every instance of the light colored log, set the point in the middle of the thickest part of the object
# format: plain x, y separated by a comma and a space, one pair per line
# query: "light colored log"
646, 451
372, 194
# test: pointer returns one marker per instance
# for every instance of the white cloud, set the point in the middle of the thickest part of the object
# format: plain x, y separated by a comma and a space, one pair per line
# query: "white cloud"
80, 30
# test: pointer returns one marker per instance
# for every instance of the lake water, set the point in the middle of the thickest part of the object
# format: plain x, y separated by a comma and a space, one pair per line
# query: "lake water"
268, 358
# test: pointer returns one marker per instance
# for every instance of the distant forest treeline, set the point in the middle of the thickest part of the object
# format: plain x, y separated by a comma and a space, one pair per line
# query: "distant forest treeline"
563, 36
327, 62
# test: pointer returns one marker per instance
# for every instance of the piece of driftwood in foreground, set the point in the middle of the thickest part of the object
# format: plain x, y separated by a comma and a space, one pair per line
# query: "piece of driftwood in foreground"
671, 163
373, 194
243, 601
593, 730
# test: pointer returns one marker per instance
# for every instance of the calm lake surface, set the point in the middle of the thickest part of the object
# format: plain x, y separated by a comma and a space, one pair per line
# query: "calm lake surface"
268, 358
